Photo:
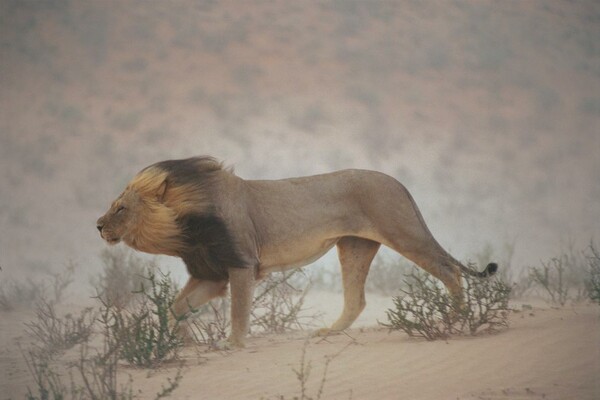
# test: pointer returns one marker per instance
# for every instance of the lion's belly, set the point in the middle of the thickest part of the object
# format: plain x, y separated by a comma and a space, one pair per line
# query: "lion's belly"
283, 256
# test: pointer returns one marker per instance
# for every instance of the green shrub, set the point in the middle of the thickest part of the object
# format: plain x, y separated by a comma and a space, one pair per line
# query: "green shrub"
139, 334
147, 338
425, 309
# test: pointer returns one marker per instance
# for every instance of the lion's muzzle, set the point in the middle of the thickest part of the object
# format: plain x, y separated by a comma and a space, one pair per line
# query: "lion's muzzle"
100, 224
104, 234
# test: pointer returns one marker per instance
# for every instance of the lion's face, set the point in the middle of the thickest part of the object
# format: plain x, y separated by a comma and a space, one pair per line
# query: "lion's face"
121, 217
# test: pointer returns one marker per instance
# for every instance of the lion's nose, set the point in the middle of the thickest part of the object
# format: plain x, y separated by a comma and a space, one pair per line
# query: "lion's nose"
99, 228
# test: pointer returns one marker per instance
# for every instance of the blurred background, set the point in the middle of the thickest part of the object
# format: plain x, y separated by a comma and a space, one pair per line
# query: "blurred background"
489, 112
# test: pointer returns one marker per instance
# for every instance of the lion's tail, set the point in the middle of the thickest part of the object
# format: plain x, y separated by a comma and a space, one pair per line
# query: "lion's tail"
488, 271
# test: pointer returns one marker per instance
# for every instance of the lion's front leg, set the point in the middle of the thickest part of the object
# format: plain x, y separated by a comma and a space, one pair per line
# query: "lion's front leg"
195, 293
241, 281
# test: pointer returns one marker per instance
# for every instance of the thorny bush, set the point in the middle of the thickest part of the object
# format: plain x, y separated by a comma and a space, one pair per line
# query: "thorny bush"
425, 309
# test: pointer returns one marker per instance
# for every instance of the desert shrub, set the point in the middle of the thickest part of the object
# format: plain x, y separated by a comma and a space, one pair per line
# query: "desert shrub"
550, 277
121, 277
210, 324
145, 334
51, 289
48, 383
93, 375
100, 345
278, 306
279, 303
593, 284
486, 305
425, 309
54, 333
303, 373
60, 282
51, 332
97, 368
14, 294
561, 278
518, 278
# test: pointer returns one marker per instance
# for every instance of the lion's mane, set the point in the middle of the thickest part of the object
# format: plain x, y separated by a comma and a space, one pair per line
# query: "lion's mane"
178, 216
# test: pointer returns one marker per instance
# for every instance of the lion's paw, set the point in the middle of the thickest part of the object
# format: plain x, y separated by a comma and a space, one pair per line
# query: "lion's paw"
229, 344
323, 332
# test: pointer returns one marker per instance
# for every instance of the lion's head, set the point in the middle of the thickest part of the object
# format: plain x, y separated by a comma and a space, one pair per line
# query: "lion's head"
151, 213
122, 217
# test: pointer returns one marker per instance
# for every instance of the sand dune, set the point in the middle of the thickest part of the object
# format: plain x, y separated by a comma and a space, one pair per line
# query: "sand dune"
546, 354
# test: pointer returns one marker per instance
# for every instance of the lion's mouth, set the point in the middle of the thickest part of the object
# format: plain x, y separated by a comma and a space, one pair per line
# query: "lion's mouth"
110, 239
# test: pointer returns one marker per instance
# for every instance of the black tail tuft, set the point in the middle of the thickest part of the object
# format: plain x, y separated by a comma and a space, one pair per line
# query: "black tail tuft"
489, 270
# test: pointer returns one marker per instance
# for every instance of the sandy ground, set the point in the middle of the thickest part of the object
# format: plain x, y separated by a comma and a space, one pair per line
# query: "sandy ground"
546, 354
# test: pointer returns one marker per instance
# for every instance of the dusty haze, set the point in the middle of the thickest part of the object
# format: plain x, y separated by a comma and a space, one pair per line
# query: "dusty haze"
489, 112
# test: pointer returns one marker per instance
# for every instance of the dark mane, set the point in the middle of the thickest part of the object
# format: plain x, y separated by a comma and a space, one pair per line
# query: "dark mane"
209, 248
188, 170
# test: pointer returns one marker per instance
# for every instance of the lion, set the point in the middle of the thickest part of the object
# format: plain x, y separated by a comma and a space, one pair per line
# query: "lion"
231, 231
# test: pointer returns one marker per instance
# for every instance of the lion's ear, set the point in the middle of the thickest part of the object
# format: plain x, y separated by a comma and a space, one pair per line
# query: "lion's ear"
162, 191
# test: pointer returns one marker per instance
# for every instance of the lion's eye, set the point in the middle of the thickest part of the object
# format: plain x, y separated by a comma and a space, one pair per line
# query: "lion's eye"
120, 209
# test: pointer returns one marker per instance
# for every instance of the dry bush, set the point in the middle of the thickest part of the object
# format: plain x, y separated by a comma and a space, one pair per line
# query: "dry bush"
210, 324
94, 372
550, 278
518, 278
279, 303
57, 334
93, 375
278, 306
426, 309
304, 371
593, 283
14, 294
48, 382
51, 332
122, 275
486, 305
562, 278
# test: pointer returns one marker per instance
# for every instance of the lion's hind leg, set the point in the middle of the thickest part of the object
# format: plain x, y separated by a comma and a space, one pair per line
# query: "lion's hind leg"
356, 255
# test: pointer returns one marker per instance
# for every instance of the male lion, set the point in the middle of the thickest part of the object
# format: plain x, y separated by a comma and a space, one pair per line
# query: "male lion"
230, 230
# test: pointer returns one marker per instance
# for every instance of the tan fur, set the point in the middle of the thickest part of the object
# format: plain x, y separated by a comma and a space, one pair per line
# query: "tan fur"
277, 225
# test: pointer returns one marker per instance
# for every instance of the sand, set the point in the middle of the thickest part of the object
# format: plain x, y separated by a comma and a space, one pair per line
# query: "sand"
546, 354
